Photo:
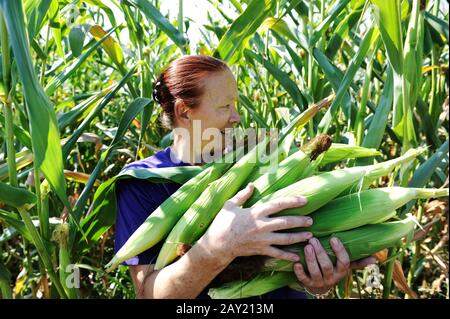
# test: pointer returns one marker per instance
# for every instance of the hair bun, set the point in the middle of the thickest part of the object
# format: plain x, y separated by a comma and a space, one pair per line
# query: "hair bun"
161, 93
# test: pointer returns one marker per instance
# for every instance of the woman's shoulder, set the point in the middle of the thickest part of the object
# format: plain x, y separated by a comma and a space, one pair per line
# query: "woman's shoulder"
138, 188
163, 158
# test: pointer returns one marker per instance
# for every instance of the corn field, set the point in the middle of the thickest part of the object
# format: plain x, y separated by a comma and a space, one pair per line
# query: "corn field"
76, 82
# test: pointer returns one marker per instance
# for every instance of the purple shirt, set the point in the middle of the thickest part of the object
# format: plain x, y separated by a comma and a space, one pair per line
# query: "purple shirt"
138, 198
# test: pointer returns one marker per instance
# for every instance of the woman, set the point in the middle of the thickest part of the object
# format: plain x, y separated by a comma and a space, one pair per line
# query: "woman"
202, 90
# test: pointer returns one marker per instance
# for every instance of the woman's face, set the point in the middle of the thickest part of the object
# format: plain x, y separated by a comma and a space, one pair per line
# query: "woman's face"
217, 110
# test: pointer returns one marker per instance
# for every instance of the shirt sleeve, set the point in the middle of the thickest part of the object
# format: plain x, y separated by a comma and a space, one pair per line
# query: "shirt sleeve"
136, 200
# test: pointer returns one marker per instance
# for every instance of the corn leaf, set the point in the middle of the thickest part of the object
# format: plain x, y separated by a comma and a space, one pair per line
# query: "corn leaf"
79, 110
247, 104
424, 172
343, 29
242, 29
157, 18
16, 196
111, 47
14, 221
44, 130
53, 15
334, 12
23, 159
87, 120
76, 40
370, 37
438, 24
105, 8
22, 135
379, 122
289, 85
36, 12
334, 75
133, 109
57, 81
387, 16
280, 27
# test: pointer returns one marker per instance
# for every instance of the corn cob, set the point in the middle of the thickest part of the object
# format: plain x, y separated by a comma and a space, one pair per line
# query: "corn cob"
277, 156
202, 212
261, 284
289, 170
339, 152
287, 138
161, 221
320, 189
367, 207
359, 243
381, 169
61, 236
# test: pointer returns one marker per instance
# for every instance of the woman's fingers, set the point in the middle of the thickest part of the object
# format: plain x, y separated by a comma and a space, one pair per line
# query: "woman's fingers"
343, 259
242, 196
287, 222
280, 254
311, 263
324, 261
288, 238
279, 204
361, 263
302, 276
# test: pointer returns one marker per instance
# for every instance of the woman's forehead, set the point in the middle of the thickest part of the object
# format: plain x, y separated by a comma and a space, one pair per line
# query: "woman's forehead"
221, 85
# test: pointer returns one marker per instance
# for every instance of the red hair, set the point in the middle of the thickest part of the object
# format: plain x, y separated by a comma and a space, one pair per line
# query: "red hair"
183, 80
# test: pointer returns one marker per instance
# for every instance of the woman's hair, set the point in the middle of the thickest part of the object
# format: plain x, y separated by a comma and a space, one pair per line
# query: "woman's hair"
182, 80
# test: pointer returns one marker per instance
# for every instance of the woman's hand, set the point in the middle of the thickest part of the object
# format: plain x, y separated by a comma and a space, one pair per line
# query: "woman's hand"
240, 231
322, 274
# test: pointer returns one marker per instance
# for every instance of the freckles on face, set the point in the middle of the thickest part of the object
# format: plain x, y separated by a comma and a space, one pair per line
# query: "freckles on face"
217, 108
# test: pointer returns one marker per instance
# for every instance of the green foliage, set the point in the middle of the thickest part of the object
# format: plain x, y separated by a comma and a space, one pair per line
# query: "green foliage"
75, 98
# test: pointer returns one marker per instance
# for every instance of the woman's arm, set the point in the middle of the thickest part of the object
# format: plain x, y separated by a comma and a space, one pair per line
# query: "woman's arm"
234, 232
185, 278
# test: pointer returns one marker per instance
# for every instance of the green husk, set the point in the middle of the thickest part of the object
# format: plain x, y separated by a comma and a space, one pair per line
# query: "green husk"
368, 207
320, 189
290, 169
202, 212
359, 243
162, 220
261, 284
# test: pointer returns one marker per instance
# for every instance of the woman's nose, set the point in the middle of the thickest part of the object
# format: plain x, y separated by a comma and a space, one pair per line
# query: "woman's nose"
235, 118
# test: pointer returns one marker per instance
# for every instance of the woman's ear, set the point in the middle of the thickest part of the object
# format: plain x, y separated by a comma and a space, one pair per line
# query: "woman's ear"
182, 114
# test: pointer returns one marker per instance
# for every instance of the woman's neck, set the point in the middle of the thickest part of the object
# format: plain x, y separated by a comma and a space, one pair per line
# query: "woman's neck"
184, 151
